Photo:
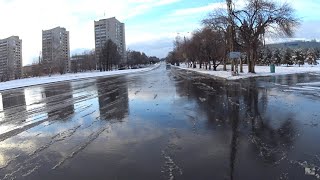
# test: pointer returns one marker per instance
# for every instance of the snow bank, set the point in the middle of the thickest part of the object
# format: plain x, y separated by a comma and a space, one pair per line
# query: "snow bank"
67, 77
260, 71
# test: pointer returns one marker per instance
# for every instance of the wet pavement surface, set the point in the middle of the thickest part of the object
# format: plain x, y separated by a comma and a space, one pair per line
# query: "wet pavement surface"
162, 124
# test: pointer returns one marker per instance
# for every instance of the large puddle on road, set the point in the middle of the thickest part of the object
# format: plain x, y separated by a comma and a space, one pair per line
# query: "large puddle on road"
164, 124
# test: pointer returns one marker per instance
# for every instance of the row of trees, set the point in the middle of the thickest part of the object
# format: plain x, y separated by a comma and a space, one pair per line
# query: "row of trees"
110, 58
288, 56
206, 47
235, 29
107, 59
41, 67
136, 58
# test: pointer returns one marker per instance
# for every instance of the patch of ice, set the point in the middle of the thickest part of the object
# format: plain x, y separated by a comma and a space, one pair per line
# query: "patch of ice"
305, 88
310, 171
309, 84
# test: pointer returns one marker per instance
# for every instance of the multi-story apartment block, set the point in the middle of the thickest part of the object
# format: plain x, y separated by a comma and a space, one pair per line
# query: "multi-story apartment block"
56, 49
10, 58
112, 29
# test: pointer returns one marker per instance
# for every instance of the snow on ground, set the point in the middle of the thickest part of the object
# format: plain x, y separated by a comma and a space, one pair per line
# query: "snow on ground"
67, 77
260, 71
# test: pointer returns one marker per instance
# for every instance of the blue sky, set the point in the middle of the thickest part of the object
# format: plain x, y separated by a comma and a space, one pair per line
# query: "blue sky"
151, 25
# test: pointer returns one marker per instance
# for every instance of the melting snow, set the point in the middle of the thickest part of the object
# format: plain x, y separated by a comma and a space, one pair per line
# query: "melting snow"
67, 77
260, 71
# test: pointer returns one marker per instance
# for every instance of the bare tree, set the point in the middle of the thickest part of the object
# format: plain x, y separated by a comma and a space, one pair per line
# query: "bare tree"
221, 21
259, 17
202, 43
178, 44
5, 76
57, 63
246, 27
36, 67
89, 60
109, 56
83, 62
191, 51
60, 64
213, 47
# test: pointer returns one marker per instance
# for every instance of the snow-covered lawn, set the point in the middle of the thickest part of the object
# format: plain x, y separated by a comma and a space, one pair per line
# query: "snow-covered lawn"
67, 77
260, 71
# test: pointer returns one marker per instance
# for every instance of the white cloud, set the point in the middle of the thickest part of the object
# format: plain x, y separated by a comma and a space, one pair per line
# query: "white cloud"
196, 10
165, 2
153, 44
144, 5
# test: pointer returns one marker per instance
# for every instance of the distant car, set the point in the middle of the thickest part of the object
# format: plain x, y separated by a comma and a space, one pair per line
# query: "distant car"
122, 68
134, 67
168, 66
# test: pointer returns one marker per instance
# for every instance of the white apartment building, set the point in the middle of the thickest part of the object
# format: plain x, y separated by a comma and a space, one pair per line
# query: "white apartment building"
113, 29
10, 58
56, 48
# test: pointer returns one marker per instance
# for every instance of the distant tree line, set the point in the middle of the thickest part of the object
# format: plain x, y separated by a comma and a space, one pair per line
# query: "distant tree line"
136, 59
240, 29
110, 58
83, 62
42, 67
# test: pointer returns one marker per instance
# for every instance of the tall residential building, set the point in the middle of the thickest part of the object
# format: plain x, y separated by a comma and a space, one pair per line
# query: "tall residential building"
56, 48
10, 58
113, 29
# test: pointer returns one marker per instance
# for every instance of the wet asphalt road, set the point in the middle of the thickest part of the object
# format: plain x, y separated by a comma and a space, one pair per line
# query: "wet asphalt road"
162, 124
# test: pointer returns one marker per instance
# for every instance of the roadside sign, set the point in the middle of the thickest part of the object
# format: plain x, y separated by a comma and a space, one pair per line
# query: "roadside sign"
234, 55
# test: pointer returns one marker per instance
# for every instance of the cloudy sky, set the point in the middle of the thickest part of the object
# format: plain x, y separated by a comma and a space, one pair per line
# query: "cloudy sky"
151, 25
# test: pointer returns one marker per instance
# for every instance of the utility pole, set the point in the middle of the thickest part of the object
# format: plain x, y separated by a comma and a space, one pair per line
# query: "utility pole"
231, 31
231, 26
